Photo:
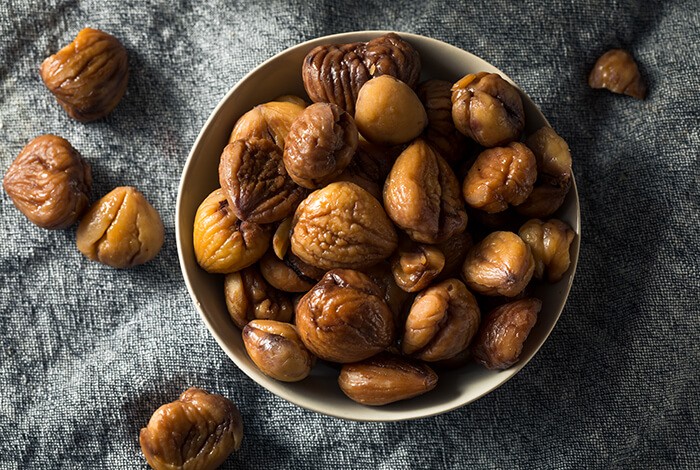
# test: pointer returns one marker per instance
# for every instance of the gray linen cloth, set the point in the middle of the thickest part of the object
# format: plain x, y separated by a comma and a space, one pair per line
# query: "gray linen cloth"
88, 352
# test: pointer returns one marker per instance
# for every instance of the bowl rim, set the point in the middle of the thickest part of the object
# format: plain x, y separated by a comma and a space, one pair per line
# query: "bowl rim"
281, 393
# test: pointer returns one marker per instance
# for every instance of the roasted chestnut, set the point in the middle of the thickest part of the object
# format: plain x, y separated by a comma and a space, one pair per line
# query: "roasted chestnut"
503, 332
223, 243
199, 430
385, 379
88, 77
121, 230
321, 143
500, 264
421, 195
276, 349
442, 322
500, 176
342, 226
550, 244
344, 317
49, 182
488, 109
617, 71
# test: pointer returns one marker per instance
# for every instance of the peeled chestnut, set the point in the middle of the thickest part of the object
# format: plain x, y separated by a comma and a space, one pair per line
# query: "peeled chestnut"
442, 322
199, 430
249, 297
388, 112
617, 71
500, 264
276, 349
415, 266
268, 121
222, 242
553, 173
500, 177
88, 77
121, 230
256, 183
342, 226
488, 109
550, 243
49, 182
344, 317
385, 378
421, 195
320, 144
503, 332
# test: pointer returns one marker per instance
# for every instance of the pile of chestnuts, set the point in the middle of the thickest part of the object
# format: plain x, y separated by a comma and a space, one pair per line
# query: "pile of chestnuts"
394, 227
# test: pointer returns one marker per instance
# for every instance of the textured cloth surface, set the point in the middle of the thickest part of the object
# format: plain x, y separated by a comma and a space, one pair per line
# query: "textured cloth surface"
87, 352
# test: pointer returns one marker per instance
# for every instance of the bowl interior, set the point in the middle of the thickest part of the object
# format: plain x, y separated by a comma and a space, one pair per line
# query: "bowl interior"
319, 392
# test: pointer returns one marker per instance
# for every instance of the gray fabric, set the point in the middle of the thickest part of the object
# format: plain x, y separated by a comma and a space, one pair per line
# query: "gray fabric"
88, 352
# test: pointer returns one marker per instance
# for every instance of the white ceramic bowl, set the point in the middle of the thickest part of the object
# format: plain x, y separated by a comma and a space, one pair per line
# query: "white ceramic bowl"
320, 392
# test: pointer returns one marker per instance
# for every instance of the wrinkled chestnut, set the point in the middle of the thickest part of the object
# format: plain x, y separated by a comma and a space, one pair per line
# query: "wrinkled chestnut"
276, 349
88, 77
550, 243
553, 174
121, 230
289, 274
617, 71
268, 121
223, 243
199, 431
344, 317
388, 112
256, 183
320, 144
335, 73
441, 323
500, 264
421, 195
414, 266
500, 176
391, 55
342, 225
369, 167
503, 332
441, 133
49, 182
488, 109
250, 297
384, 379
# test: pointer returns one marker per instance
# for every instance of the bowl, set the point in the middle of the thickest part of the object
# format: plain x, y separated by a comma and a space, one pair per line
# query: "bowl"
320, 392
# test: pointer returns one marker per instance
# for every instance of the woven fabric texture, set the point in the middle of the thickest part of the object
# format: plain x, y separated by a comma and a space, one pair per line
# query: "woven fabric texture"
88, 352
